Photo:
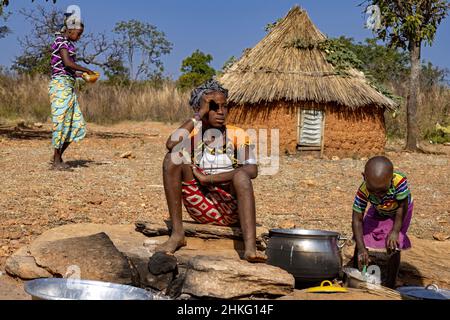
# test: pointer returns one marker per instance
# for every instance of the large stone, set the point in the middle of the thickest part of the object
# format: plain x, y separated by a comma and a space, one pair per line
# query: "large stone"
223, 278
95, 257
22, 265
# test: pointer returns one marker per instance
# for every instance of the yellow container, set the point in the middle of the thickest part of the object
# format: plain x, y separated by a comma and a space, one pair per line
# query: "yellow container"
91, 78
326, 287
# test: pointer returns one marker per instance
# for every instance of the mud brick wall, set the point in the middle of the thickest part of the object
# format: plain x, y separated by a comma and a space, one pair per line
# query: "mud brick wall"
354, 133
277, 115
347, 133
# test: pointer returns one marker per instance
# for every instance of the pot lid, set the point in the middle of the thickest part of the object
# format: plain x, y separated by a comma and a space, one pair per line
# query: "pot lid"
302, 232
327, 287
431, 292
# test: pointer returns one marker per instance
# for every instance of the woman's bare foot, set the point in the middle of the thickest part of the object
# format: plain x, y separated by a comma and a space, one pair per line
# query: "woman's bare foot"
58, 165
255, 257
173, 244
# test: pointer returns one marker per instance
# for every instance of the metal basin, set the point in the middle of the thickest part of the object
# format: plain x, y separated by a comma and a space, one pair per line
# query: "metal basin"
309, 255
69, 289
431, 292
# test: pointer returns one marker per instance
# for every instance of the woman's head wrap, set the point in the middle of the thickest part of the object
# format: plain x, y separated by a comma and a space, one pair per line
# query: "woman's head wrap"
209, 86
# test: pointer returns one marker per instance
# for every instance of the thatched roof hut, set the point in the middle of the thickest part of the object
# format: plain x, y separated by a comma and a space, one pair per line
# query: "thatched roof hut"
286, 82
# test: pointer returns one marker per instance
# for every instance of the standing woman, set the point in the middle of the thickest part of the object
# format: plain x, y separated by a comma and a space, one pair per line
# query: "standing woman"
68, 121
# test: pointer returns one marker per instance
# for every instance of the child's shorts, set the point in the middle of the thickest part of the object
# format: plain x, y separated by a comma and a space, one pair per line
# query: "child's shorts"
210, 205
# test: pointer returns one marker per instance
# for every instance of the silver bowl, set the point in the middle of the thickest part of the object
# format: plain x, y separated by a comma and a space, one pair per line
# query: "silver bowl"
70, 289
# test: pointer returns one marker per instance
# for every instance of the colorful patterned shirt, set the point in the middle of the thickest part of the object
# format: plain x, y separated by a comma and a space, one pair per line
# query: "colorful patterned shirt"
388, 205
230, 157
58, 67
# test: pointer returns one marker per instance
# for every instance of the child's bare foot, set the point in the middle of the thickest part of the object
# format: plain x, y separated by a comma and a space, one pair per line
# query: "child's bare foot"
173, 244
255, 257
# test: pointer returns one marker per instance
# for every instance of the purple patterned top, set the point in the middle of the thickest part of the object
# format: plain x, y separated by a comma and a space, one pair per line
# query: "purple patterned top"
58, 67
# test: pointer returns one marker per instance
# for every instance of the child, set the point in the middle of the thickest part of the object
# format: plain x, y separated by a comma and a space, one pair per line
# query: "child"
219, 190
68, 121
386, 222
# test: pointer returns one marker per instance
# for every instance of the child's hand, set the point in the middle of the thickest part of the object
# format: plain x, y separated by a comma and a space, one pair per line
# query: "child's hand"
202, 178
363, 258
204, 105
392, 242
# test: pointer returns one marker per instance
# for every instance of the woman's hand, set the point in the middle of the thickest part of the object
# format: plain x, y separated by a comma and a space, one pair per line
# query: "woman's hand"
392, 242
202, 178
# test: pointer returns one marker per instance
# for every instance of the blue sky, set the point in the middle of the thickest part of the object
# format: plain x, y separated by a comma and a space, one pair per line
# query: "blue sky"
220, 28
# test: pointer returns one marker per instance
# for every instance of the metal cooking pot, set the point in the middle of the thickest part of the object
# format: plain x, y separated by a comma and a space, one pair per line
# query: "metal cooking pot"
309, 255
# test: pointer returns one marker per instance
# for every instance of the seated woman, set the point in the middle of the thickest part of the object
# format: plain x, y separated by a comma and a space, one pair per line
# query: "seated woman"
214, 185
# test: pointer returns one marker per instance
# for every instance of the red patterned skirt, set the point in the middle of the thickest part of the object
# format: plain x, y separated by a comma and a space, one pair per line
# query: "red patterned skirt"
210, 205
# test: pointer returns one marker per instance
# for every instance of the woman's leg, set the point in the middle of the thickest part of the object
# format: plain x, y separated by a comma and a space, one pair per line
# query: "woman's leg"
57, 157
173, 175
243, 188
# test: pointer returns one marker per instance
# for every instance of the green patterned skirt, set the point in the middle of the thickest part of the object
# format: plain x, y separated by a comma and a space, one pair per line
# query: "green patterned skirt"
68, 122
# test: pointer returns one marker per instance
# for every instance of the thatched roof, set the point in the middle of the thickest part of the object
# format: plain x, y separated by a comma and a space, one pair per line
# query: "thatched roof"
274, 70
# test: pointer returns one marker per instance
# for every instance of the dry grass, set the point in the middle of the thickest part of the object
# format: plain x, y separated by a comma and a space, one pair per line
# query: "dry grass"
434, 107
27, 98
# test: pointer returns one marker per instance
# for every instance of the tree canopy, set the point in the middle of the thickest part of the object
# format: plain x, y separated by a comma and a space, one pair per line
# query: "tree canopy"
195, 70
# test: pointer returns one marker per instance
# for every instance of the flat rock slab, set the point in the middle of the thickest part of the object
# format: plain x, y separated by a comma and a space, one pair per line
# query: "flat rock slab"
95, 257
223, 278
124, 237
203, 231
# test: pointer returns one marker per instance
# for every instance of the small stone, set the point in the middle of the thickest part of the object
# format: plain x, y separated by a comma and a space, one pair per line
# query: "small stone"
161, 263
447, 144
127, 155
14, 235
310, 183
38, 125
150, 243
287, 224
364, 159
95, 201
440, 236
335, 158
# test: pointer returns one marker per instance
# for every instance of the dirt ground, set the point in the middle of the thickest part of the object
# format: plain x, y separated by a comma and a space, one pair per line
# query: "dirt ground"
105, 188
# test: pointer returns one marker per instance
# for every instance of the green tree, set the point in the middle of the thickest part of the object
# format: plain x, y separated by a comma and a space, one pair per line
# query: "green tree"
383, 63
95, 49
407, 25
143, 45
231, 60
432, 76
4, 30
195, 70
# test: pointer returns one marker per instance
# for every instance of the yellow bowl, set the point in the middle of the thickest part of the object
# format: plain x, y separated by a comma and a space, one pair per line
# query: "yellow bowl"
91, 78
